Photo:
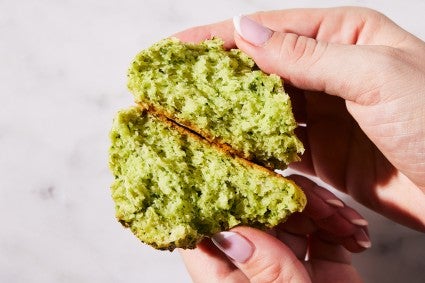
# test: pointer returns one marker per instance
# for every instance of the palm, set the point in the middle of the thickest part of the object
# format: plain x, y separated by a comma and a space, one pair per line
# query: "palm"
337, 150
341, 154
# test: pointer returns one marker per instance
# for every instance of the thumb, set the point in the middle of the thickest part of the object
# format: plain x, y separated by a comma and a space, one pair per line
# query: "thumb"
348, 71
260, 256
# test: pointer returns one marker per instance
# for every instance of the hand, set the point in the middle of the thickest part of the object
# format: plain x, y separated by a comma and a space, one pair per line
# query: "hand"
325, 230
365, 106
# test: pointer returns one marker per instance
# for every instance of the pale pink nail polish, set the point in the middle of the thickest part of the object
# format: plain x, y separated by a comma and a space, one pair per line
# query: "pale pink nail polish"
362, 239
251, 31
234, 246
353, 216
359, 222
335, 202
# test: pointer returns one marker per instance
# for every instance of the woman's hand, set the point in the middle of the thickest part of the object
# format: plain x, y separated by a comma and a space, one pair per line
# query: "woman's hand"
311, 246
365, 106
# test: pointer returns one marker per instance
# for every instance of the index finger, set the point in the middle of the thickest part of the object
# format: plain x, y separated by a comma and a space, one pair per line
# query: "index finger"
345, 25
223, 30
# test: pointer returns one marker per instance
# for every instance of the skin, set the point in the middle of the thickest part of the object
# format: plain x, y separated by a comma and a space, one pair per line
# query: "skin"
362, 100
356, 81
279, 254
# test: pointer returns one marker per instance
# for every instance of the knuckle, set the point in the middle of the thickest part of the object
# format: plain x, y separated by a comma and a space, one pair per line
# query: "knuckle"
302, 47
293, 46
389, 61
266, 270
368, 12
270, 273
301, 50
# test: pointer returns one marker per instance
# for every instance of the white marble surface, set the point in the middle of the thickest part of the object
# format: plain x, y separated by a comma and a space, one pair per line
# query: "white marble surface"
62, 77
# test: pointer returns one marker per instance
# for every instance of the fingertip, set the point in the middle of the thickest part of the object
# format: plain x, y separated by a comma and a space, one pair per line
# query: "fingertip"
353, 245
234, 245
207, 261
353, 216
270, 258
223, 30
359, 222
237, 23
335, 202
362, 239
251, 31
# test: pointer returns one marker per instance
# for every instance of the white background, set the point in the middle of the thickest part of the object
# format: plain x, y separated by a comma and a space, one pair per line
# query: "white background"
62, 77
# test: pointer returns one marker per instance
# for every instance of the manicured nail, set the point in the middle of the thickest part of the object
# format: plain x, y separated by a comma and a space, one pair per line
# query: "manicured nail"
328, 197
251, 31
359, 222
362, 239
353, 216
335, 202
234, 246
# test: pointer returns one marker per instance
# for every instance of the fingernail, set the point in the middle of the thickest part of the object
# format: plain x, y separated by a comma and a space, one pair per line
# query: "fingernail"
353, 216
234, 246
328, 197
359, 222
362, 239
251, 31
335, 202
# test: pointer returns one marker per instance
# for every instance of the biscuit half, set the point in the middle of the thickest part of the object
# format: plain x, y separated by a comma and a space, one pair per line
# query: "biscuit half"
173, 188
220, 94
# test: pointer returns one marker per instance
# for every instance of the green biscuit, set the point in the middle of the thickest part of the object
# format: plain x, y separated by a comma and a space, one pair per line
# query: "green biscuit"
220, 94
173, 188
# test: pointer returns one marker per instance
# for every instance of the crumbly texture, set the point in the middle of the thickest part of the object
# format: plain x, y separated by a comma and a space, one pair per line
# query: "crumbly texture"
172, 188
221, 95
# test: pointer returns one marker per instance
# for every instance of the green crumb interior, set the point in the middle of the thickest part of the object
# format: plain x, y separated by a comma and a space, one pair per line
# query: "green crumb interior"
220, 94
172, 188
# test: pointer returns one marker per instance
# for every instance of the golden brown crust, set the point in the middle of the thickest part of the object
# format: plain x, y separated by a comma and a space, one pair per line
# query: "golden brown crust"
205, 135
173, 126
218, 146
192, 127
